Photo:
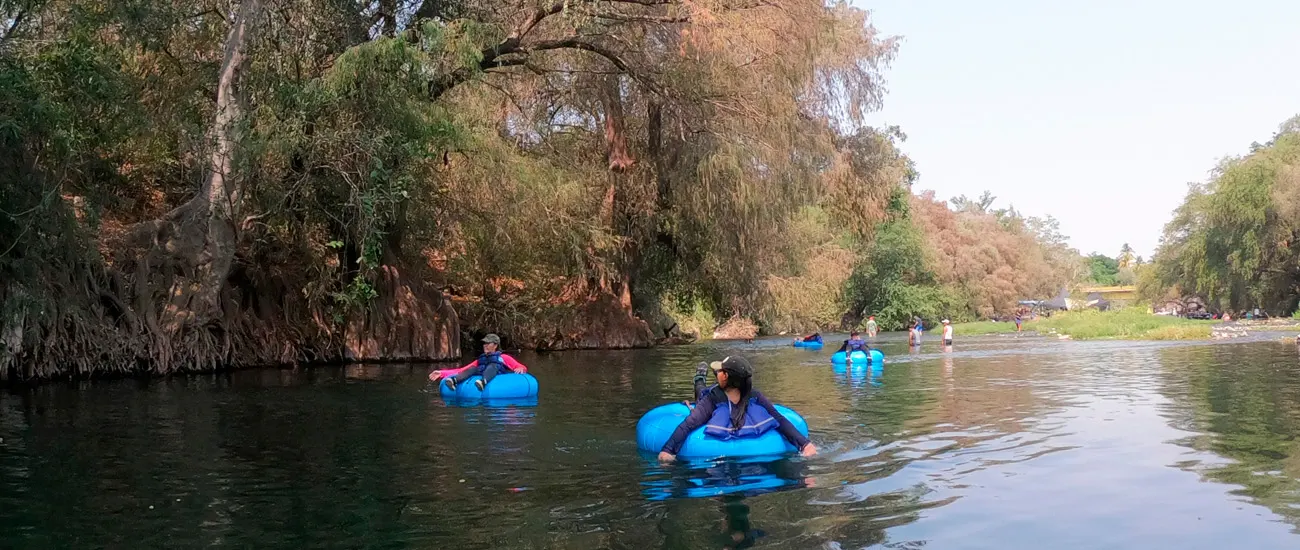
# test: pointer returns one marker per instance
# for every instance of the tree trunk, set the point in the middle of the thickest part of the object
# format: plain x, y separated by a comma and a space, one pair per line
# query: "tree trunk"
207, 228
655, 150
11, 336
611, 97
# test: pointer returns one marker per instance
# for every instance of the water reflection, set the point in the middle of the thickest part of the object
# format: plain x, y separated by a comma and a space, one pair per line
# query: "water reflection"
495, 404
858, 376
1018, 442
712, 478
1244, 421
738, 531
732, 483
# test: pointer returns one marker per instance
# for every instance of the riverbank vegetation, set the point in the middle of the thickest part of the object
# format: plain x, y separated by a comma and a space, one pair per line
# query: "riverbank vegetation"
195, 184
1133, 323
983, 328
1233, 242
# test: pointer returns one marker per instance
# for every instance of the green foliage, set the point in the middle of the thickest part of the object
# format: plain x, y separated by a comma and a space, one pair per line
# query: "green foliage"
693, 317
1127, 259
977, 328
1128, 323
469, 149
893, 282
1231, 241
1102, 269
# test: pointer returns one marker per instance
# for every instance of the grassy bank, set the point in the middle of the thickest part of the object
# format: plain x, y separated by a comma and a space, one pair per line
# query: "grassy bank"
1126, 324
983, 327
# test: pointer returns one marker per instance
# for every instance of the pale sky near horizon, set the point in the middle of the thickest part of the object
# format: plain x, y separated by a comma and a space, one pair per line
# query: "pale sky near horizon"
1098, 113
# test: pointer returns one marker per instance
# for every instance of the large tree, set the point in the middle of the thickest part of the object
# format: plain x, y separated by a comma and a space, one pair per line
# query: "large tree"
1232, 241
212, 182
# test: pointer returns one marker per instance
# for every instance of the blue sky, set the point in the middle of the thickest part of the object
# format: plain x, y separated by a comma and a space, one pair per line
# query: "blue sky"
1098, 113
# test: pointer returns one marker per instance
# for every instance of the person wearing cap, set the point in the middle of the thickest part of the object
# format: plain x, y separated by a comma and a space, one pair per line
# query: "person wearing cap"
914, 337
872, 327
491, 363
733, 409
947, 333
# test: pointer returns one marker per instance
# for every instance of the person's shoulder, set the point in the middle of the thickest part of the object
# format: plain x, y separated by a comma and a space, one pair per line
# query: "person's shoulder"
714, 394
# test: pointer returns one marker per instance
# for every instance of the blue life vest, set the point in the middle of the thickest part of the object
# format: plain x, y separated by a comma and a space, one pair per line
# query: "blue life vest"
857, 344
490, 358
756, 420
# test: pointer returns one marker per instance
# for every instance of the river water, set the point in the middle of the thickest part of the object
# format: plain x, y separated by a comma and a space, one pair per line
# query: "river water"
1005, 442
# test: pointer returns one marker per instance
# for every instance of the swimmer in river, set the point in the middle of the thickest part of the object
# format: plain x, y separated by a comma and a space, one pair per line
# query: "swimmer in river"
733, 409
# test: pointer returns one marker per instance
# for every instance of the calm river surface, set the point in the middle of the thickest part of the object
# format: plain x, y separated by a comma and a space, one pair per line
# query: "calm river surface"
1007, 443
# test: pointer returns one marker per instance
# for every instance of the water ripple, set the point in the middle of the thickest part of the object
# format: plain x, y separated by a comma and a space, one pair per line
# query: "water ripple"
1009, 442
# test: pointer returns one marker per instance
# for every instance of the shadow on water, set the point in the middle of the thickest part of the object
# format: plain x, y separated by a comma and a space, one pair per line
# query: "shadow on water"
1013, 442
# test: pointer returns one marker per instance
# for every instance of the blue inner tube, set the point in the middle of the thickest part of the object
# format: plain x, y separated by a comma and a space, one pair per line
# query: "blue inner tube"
858, 357
803, 344
511, 385
658, 424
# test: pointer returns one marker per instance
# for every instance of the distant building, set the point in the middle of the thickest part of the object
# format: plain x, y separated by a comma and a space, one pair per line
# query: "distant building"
1107, 297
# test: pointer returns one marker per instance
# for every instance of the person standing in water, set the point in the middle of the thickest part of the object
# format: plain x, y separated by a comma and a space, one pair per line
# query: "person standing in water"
872, 328
917, 328
947, 333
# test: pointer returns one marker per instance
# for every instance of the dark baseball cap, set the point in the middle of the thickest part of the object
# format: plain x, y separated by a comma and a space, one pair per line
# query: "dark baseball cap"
734, 365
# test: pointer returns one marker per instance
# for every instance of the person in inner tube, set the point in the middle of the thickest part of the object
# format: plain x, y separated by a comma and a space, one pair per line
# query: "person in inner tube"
814, 337
855, 343
491, 363
732, 409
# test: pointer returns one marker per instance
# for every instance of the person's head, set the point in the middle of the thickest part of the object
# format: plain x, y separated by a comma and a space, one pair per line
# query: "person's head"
945, 321
853, 334
733, 372
871, 318
491, 343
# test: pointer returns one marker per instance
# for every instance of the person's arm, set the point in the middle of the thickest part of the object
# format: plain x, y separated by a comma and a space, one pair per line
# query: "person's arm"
783, 424
844, 347
513, 364
699, 415
448, 373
